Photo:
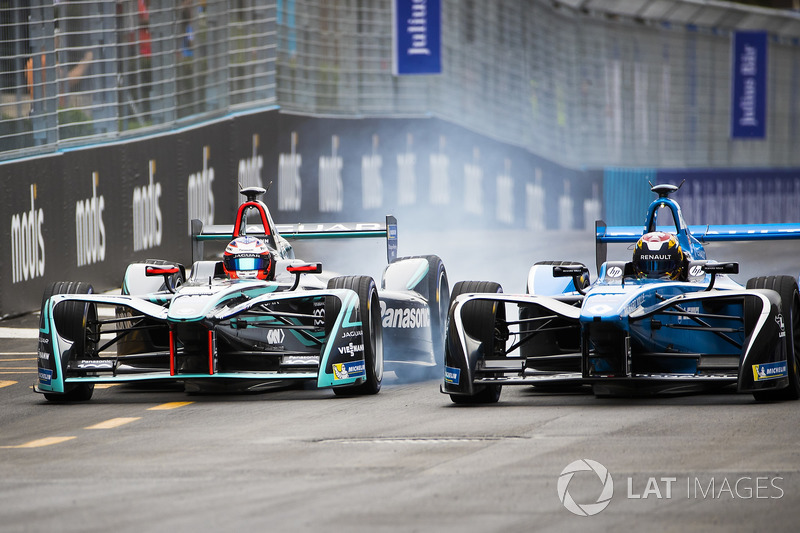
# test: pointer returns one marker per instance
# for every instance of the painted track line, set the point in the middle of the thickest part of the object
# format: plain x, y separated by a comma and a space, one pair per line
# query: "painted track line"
168, 406
114, 423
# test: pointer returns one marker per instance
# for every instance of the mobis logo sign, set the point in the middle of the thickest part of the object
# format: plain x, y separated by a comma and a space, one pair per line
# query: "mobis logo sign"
331, 190
250, 168
290, 187
27, 243
200, 193
147, 219
90, 231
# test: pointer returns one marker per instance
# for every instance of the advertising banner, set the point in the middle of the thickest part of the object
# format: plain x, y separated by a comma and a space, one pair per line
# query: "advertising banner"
416, 37
749, 90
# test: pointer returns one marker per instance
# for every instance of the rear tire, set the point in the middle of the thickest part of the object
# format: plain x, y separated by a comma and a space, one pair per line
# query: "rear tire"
76, 322
370, 311
786, 287
480, 320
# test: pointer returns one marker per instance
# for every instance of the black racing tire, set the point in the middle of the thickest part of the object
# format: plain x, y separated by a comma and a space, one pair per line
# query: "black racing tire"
480, 321
786, 287
76, 322
437, 289
370, 310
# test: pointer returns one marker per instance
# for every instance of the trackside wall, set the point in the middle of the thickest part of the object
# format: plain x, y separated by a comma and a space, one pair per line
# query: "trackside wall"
84, 214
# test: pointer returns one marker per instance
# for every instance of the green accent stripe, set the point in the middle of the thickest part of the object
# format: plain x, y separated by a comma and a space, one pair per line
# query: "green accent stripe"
418, 275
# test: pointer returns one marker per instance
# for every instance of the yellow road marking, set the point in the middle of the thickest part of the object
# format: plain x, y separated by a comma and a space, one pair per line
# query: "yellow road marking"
17, 367
167, 406
21, 372
25, 359
38, 443
113, 423
6, 383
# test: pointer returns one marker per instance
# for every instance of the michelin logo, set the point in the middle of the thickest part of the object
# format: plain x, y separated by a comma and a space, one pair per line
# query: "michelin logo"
349, 370
769, 371
452, 375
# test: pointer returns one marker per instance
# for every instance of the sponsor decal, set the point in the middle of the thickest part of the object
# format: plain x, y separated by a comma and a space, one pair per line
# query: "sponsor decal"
614, 272
331, 190
371, 180
200, 194
45, 376
319, 316
96, 365
27, 243
407, 318
147, 220
355, 369
290, 186
781, 328
452, 375
352, 333
351, 349
250, 169
275, 336
43, 356
296, 360
767, 371
90, 230
696, 271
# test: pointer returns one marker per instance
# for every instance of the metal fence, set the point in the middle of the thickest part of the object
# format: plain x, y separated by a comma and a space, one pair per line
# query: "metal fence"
584, 83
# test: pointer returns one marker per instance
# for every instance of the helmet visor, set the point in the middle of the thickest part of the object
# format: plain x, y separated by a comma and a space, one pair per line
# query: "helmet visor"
246, 263
663, 268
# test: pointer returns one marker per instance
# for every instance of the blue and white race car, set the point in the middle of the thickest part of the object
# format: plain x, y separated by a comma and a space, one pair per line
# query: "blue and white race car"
669, 320
257, 318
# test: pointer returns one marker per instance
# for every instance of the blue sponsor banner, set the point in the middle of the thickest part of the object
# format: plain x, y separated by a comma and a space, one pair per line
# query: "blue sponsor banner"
749, 91
416, 37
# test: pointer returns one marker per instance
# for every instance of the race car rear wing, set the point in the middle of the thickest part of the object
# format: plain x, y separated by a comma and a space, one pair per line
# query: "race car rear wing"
703, 233
316, 230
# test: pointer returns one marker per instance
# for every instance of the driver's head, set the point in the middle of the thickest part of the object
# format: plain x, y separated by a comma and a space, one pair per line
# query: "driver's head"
248, 258
658, 256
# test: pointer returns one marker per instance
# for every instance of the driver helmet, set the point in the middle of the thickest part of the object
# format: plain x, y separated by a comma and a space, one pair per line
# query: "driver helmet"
248, 258
658, 256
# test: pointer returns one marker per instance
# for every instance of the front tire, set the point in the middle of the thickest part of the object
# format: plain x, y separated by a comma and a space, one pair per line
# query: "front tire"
786, 287
77, 322
370, 311
480, 320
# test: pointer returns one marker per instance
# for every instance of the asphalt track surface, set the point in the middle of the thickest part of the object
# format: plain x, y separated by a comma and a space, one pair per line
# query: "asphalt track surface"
133, 460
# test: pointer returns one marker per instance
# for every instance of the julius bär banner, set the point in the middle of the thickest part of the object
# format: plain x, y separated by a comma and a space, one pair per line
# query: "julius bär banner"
749, 91
416, 37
